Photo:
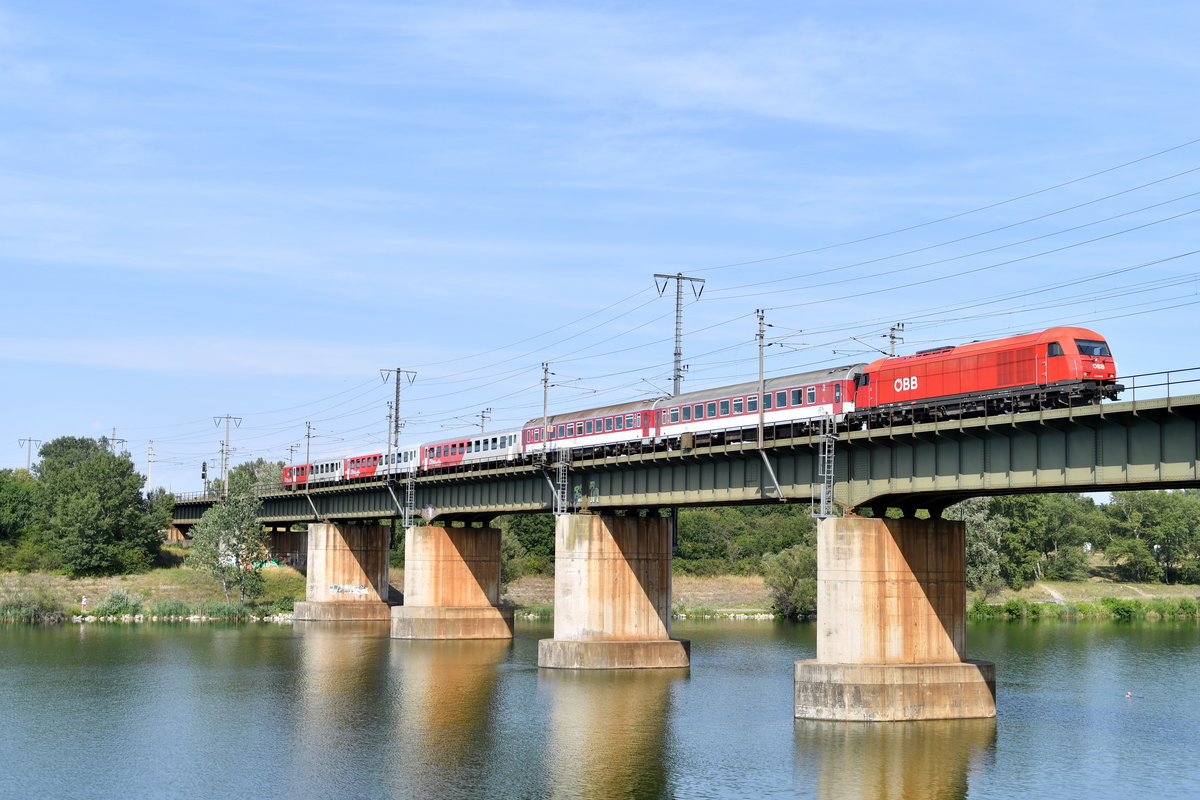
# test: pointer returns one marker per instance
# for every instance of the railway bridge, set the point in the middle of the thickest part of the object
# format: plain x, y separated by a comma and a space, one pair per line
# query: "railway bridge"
891, 639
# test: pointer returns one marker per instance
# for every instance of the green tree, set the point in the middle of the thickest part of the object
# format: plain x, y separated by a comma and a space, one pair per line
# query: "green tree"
16, 503
93, 519
1159, 525
512, 556
984, 532
724, 540
1043, 536
532, 537
228, 541
791, 580
17, 510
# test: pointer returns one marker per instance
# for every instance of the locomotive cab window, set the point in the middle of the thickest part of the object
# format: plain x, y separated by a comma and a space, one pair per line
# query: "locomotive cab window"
1093, 348
1054, 349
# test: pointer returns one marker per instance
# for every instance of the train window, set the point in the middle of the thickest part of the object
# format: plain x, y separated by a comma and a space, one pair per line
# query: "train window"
837, 393
562, 431
812, 394
767, 398
570, 429
494, 447
711, 410
781, 399
1054, 349
752, 403
485, 444
589, 426
629, 421
608, 423
698, 410
674, 415
724, 408
737, 405
439, 451
620, 423
1093, 348
797, 396
685, 413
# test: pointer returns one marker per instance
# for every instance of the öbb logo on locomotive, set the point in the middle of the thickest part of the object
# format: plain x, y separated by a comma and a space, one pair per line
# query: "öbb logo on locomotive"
1054, 368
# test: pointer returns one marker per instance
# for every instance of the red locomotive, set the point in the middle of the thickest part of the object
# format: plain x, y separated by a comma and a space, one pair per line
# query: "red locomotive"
1050, 369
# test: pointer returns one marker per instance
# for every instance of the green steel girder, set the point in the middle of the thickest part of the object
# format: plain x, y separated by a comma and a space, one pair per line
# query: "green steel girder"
1148, 444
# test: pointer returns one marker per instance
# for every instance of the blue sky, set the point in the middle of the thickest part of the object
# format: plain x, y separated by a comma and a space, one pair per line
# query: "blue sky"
250, 208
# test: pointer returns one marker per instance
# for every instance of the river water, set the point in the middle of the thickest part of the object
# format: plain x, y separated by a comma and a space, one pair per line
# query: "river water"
267, 711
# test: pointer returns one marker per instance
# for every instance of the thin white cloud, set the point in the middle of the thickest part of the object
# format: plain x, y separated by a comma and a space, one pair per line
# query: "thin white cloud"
287, 351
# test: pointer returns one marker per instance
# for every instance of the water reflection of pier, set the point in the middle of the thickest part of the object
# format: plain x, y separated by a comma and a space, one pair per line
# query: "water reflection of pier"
441, 724
608, 732
891, 760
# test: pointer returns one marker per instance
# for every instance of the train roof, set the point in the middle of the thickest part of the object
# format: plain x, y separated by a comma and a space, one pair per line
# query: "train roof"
1063, 332
750, 387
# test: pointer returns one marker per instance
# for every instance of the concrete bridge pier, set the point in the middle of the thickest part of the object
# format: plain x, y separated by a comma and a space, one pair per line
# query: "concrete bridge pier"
891, 625
347, 572
612, 595
451, 586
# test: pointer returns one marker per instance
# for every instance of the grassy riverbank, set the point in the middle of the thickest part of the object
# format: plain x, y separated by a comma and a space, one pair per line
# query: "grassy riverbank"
176, 590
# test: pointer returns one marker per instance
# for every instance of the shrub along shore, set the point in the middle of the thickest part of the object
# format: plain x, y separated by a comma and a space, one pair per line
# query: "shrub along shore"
181, 594
1119, 609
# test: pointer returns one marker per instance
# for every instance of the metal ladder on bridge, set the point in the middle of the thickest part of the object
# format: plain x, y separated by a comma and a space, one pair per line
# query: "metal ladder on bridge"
410, 499
825, 465
561, 504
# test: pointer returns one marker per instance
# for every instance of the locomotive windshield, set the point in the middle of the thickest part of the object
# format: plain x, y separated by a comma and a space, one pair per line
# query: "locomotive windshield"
1092, 347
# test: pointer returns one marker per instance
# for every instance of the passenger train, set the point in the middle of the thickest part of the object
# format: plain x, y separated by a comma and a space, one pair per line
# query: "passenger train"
1049, 369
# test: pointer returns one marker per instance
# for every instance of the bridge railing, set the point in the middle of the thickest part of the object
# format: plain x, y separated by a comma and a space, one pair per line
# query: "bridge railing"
179, 496
1173, 382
